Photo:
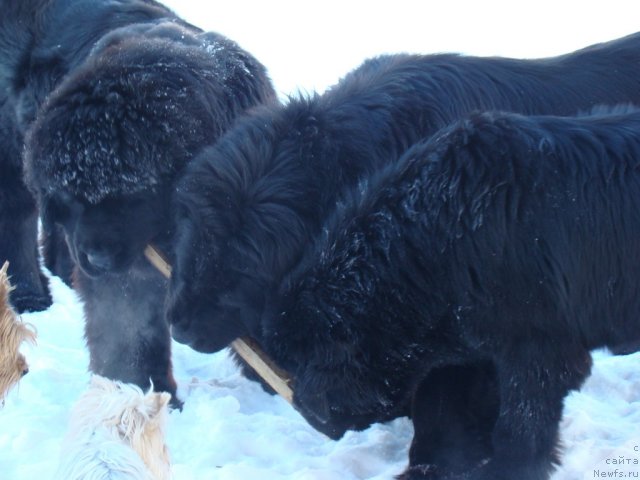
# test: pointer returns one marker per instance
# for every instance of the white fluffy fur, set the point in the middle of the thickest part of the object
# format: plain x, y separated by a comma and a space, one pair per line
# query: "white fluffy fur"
116, 432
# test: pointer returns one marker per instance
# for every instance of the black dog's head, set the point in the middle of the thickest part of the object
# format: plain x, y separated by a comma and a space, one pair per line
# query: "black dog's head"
109, 143
345, 375
244, 208
202, 304
215, 286
104, 152
124, 122
108, 236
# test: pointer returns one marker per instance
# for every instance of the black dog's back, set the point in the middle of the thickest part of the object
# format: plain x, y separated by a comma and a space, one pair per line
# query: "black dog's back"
41, 41
425, 92
549, 197
565, 221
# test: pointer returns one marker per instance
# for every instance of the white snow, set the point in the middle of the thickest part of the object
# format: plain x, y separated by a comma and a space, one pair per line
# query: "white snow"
229, 428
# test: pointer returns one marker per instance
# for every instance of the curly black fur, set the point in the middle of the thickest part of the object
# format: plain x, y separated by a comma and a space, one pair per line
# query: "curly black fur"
248, 207
102, 158
503, 242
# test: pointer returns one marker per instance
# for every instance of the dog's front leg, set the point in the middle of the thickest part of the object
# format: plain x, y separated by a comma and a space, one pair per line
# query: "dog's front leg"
454, 411
534, 377
125, 329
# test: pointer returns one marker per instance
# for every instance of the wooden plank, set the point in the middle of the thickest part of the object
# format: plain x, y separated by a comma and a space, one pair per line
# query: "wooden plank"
245, 347
158, 261
262, 364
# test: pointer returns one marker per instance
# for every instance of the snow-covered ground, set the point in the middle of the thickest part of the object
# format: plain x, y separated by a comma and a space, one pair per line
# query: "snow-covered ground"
230, 429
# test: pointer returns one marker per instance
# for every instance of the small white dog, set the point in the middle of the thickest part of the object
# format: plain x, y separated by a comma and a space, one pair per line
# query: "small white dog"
116, 432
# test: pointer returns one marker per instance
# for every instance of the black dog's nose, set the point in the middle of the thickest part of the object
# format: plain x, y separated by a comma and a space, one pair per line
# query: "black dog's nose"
25, 371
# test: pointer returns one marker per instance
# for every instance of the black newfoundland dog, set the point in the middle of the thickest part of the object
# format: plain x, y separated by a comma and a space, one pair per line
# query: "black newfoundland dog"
41, 41
493, 256
102, 158
248, 207
506, 243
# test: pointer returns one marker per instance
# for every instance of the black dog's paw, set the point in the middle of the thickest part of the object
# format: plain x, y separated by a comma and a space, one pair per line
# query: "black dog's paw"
166, 383
175, 403
28, 301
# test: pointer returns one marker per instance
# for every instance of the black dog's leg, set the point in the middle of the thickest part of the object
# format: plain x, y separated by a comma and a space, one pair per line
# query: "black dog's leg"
19, 221
19, 245
534, 379
454, 411
127, 335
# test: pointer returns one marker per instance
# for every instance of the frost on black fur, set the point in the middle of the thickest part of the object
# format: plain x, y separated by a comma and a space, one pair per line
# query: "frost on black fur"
133, 115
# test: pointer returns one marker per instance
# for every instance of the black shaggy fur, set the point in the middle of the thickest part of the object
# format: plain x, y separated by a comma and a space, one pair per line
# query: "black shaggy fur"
102, 158
249, 206
503, 243
41, 41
